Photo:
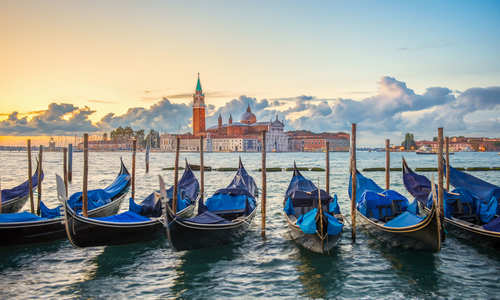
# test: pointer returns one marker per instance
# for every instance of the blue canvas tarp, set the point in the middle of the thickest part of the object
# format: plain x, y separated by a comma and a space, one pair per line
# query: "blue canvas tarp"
239, 195
208, 218
374, 202
404, 220
125, 217
493, 225
19, 217
486, 193
49, 213
21, 190
100, 197
307, 223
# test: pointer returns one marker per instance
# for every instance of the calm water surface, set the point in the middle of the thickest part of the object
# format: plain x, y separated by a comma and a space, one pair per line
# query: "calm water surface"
253, 267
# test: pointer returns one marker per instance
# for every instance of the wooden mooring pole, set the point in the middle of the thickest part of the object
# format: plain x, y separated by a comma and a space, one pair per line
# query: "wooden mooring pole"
0, 195
148, 149
70, 162
134, 150
176, 175
30, 182
264, 186
353, 181
202, 170
85, 173
327, 179
440, 171
39, 179
65, 169
447, 141
387, 165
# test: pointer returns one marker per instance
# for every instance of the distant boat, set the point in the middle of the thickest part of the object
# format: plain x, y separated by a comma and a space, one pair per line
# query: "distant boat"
428, 150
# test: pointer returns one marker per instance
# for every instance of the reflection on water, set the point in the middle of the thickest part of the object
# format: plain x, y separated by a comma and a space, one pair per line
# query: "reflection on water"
253, 267
319, 274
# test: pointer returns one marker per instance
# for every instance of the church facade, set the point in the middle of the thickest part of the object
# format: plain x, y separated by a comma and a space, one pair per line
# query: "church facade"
242, 135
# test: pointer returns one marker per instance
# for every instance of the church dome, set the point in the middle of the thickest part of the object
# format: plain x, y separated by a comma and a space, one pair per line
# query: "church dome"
248, 117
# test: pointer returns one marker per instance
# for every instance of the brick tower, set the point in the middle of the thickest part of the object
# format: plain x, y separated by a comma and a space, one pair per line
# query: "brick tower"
198, 110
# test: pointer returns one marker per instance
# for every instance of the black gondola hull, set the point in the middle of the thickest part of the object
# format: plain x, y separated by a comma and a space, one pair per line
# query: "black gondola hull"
85, 232
48, 230
426, 235
471, 233
185, 235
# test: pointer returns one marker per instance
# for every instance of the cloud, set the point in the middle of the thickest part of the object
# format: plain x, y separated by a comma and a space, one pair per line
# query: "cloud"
394, 110
102, 101
58, 119
164, 116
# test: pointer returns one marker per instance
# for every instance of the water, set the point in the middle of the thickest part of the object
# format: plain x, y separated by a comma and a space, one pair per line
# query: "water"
253, 267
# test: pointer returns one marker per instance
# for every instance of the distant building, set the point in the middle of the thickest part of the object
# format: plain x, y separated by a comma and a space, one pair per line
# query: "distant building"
245, 135
107, 145
307, 141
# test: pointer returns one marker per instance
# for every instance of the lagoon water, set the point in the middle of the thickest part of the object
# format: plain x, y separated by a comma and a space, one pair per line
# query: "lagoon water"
253, 267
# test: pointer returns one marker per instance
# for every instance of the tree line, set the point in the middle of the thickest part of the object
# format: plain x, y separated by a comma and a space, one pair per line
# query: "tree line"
123, 134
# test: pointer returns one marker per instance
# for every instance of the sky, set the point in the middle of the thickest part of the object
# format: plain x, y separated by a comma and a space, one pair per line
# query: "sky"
67, 67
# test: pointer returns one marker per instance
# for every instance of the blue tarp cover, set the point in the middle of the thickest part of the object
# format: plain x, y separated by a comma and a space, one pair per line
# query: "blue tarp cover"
493, 225
304, 193
307, 221
20, 190
19, 217
208, 218
487, 193
371, 198
100, 197
404, 220
125, 217
334, 207
289, 210
235, 196
49, 213
334, 226
222, 202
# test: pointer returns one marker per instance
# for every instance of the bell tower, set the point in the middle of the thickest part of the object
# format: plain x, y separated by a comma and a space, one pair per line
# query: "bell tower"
198, 110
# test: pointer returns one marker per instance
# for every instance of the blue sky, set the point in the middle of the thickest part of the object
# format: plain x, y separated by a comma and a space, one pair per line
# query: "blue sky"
98, 57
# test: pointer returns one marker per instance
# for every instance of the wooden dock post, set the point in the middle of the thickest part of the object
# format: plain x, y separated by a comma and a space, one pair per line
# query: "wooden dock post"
353, 180
320, 211
65, 169
85, 173
176, 174
70, 162
39, 179
134, 149
148, 149
202, 170
264, 186
327, 167
440, 171
30, 182
0, 195
447, 142
387, 165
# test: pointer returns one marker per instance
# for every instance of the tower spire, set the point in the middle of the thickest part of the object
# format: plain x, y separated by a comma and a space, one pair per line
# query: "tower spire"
198, 84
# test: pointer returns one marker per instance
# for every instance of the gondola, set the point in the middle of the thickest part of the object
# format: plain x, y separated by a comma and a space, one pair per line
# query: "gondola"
302, 213
15, 198
390, 217
25, 227
221, 219
142, 222
470, 196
